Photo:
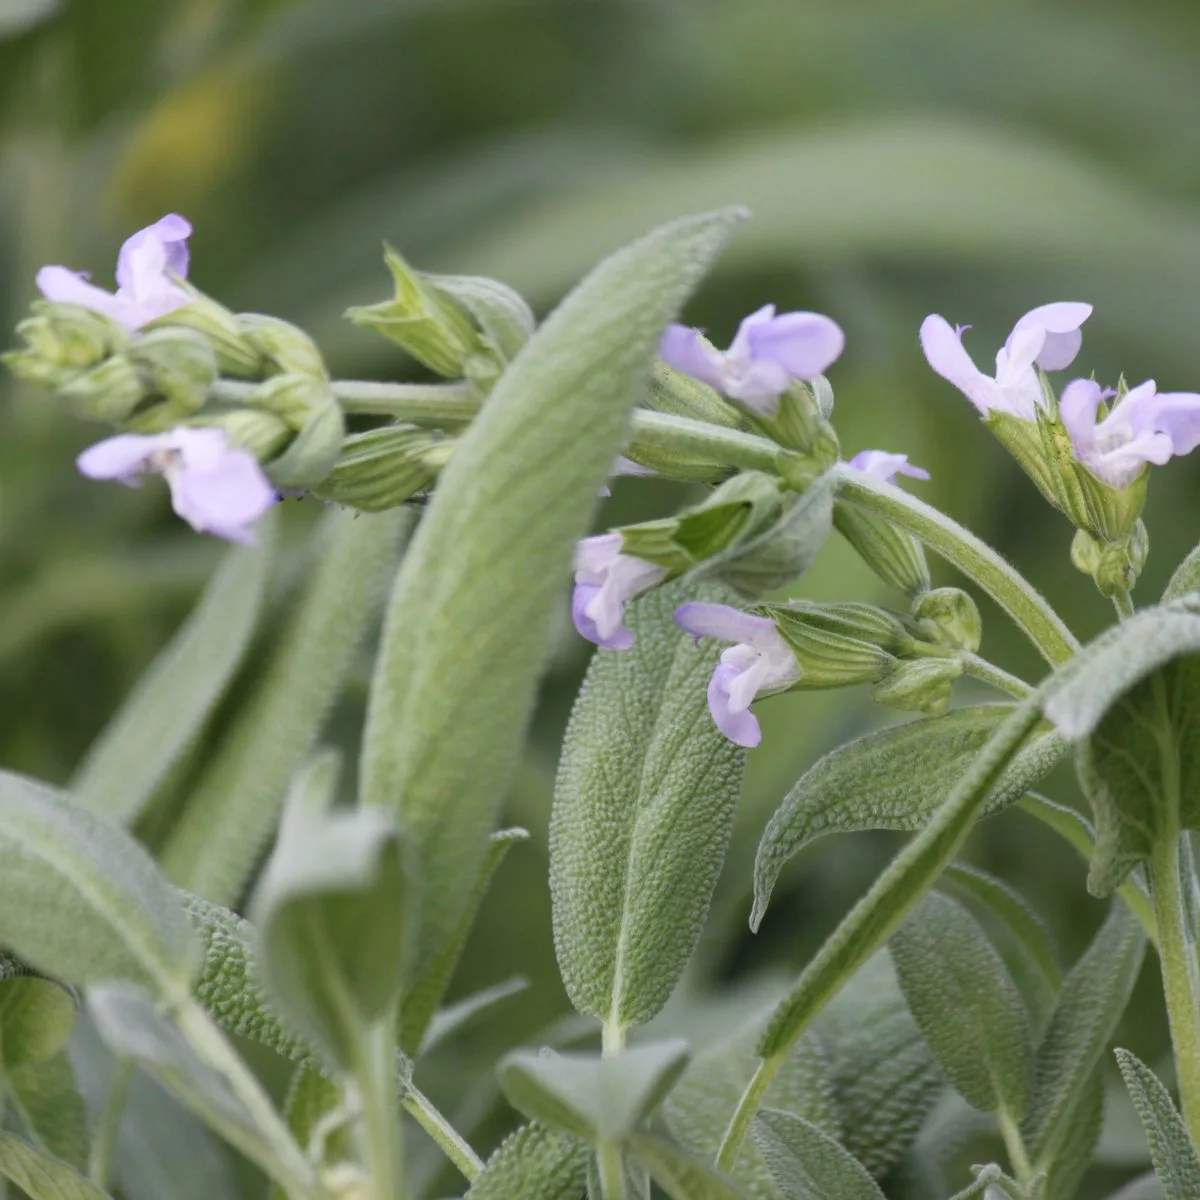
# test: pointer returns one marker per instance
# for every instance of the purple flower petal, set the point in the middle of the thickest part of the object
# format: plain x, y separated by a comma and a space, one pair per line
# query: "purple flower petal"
224, 497
741, 727
945, 353
688, 350
123, 457
1177, 414
152, 251
64, 286
1061, 320
1077, 407
582, 598
805, 344
703, 619
885, 466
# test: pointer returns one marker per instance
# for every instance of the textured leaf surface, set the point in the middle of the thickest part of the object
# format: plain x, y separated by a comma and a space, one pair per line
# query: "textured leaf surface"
597, 1099
1076, 1148
698, 1108
807, 1163
1093, 997
51, 1109
40, 1176
465, 637
678, 1173
173, 698
533, 1163
643, 810
231, 814
966, 1004
80, 899
36, 1016
1175, 1159
454, 1017
893, 779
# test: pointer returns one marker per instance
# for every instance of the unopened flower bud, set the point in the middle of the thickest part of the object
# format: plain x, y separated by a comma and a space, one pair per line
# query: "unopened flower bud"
893, 554
262, 433
827, 657
950, 617
384, 467
919, 685
426, 321
307, 406
506, 321
1115, 566
64, 338
110, 391
236, 354
179, 364
671, 391
799, 424
287, 349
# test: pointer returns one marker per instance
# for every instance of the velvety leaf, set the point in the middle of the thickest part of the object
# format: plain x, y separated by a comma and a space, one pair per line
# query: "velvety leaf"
882, 1072
1093, 997
1175, 1159
643, 810
40, 1176
233, 810
47, 1100
81, 900
678, 1173
422, 996
534, 1163
465, 638
698, 1108
807, 1163
449, 1020
966, 1004
314, 1103
1076, 1148
175, 695
36, 1016
597, 1099
330, 909
893, 779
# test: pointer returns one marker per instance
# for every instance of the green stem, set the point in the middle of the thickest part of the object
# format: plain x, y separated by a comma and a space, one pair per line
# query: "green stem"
1123, 603
290, 1167
108, 1123
612, 1037
453, 1145
374, 1073
612, 1171
980, 668
1014, 1144
730, 447
434, 403
977, 560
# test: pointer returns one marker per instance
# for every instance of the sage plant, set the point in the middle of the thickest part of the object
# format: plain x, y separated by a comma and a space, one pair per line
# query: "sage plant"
939, 1003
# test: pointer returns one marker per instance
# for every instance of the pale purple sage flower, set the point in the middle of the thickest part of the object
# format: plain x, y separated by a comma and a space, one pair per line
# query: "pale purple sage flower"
885, 466
1144, 426
605, 581
768, 352
1047, 337
760, 662
148, 266
216, 488
622, 466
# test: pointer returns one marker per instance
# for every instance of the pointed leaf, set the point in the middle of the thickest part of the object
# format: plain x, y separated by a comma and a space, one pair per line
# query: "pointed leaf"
966, 1004
40, 1176
231, 814
1093, 997
449, 1020
174, 697
534, 1163
643, 810
597, 1099
678, 1173
465, 637
422, 996
892, 779
81, 900
807, 1163
1175, 1159
331, 912
51, 1108
1076, 1148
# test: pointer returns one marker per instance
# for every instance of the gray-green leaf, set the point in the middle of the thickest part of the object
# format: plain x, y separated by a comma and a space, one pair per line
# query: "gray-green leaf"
40, 1176
597, 1099
534, 1163
465, 638
36, 1016
331, 913
966, 1004
1093, 997
51, 1108
892, 779
82, 900
680, 1174
643, 810
1175, 1159
172, 700
807, 1163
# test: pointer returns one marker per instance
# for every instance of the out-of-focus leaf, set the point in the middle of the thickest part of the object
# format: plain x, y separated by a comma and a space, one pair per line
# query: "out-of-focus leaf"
232, 812
643, 808
36, 1016
449, 1020
81, 900
175, 695
1175, 1159
16, 16
465, 637
893, 779
41, 1176
50, 1107
681, 1175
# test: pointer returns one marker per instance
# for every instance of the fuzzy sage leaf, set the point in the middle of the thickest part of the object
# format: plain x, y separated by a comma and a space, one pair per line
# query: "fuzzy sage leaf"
1175, 1159
465, 637
643, 810
40, 1176
534, 1163
966, 1004
807, 1163
681, 1175
892, 779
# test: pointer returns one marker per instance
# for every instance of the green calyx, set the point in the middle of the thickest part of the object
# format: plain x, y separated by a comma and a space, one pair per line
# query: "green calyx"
386, 467
919, 685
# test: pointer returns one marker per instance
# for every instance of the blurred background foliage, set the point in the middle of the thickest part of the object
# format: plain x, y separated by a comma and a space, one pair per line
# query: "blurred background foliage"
969, 158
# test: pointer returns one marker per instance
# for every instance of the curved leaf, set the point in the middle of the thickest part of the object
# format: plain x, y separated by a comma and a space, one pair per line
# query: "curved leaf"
1176, 1162
807, 1163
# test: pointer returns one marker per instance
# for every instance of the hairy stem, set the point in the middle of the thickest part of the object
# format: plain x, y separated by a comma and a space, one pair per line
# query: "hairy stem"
612, 1171
452, 1144
1014, 1144
980, 668
374, 1073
